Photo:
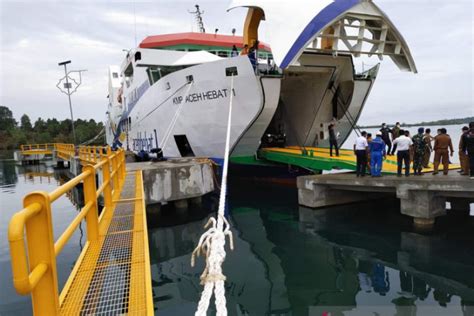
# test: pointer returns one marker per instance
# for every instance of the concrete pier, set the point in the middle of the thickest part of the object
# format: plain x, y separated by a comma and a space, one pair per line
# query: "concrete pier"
176, 180
31, 159
423, 197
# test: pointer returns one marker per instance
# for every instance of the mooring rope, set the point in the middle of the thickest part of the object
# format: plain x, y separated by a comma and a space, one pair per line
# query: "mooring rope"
212, 242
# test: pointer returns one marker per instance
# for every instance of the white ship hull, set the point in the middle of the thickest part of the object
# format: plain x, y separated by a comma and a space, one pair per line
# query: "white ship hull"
184, 110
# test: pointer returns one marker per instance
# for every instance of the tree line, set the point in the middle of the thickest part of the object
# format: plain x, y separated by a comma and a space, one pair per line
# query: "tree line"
13, 133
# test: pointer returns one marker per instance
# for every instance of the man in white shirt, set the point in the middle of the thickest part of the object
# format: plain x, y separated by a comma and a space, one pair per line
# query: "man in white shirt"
403, 143
360, 150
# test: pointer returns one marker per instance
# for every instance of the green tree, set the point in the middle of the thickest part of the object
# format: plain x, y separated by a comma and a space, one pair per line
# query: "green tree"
7, 122
26, 123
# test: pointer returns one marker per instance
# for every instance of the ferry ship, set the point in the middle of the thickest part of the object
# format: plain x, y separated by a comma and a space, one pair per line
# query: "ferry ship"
172, 93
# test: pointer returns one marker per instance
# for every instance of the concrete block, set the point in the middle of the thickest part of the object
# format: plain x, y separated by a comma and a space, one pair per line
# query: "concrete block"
181, 204
176, 179
423, 205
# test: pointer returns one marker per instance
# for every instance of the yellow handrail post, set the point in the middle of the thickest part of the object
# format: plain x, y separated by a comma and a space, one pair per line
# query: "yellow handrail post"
40, 241
108, 187
115, 171
122, 166
92, 217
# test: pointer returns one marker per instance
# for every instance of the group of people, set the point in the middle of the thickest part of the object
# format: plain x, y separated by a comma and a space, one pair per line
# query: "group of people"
371, 152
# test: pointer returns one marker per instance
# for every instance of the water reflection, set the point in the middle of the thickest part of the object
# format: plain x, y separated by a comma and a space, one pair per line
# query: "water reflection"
8, 174
290, 260
15, 182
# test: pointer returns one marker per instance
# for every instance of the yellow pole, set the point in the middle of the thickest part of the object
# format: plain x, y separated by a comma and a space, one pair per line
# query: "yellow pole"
90, 191
122, 160
115, 171
108, 187
40, 241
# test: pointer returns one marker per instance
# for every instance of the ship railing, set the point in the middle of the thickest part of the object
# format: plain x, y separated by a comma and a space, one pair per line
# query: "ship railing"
34, 268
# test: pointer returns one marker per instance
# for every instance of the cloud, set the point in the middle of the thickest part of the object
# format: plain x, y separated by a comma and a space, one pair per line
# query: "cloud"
35, 36
131, 19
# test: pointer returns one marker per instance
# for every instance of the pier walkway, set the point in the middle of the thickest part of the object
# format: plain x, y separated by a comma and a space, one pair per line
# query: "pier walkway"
316, 158
112, 274
421, 197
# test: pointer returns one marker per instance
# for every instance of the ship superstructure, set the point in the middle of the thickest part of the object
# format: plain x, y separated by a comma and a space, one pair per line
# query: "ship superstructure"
173, 91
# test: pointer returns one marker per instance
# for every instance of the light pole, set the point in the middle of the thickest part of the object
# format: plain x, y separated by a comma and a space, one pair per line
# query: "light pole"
67, 85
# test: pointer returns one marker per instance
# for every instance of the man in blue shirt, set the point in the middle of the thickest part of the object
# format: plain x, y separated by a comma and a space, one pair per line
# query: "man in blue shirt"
377, 153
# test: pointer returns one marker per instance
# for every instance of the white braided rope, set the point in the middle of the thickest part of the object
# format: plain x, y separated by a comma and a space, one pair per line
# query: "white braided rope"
212, 242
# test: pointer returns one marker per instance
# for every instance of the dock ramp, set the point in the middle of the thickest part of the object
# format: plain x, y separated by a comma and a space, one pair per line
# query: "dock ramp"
112, 274
317, 158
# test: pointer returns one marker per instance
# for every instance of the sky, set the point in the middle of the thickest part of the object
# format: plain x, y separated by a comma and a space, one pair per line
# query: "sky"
36, 35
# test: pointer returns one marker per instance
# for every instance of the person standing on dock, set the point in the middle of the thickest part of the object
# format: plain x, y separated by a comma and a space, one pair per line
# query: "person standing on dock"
377, 154
463, 156
360, 150
468, 147
333, 139
403, 143
395, 133
442, 144
419, 147
428, 148
369, 140
386, 137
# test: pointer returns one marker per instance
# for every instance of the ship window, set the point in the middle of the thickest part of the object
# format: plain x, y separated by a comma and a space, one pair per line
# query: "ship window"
231, 71
129, 70
222, 53
183, 146
138, 56
115, 75
154, 74
189, 78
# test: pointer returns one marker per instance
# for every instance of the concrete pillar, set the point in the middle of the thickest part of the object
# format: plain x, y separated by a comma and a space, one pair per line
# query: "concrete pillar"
153, 209
423, 206
196, 200
181, 204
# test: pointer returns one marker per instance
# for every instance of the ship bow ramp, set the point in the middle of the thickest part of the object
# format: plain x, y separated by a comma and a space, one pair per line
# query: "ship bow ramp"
314, 43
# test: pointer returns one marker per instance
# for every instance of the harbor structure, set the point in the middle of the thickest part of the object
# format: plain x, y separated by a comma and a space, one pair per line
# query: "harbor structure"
422, 198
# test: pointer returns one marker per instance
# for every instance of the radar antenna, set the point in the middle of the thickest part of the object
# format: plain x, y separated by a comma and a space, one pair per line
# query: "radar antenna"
198, 15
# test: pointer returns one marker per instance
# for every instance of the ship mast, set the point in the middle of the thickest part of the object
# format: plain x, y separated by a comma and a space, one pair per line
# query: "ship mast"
198, 16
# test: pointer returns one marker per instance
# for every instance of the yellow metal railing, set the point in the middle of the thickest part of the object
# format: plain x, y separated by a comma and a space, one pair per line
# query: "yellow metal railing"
49, 146
34, 271
91, 154
65, 151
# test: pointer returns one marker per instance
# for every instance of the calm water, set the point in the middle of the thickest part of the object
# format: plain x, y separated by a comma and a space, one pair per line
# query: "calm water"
15, 183
362, 259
